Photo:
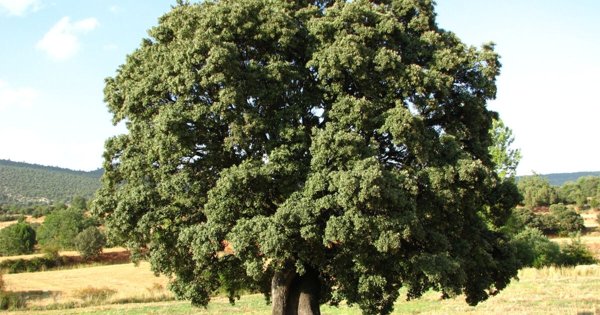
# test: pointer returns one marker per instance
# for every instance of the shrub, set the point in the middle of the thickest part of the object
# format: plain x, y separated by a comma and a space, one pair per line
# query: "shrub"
561, 220
567, 220
534, 249
547, 223
51, 251
11, 301
17, 239
576, 253
78, 202
10, 217
90, 242
94, 295
31, 265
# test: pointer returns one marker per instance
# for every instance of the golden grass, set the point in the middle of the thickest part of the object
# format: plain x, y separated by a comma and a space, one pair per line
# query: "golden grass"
592, 242
28, 218
590, 218
62, 286
6, 223
544, 291
62, 253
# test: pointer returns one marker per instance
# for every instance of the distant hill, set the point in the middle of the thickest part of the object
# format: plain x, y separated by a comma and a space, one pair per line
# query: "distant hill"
24, 183
557, 179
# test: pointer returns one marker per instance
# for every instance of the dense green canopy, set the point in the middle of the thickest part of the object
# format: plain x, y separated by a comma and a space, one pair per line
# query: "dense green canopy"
347, 140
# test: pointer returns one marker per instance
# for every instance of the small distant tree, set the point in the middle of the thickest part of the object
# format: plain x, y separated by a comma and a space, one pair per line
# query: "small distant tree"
17, 239
576, 253
61, 227
595, 203
504, 156
570, 193
537, 191
90, 242
79, 202
567, 220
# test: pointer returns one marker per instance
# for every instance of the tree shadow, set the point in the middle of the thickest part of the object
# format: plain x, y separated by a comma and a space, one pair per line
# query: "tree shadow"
34, 295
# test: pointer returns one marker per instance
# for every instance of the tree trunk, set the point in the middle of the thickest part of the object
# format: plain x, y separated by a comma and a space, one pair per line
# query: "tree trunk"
294, 294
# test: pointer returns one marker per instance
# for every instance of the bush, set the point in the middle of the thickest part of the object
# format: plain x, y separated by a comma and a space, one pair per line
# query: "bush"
10, 217
576, 253
569, 222
90, 242
94, 295
11, 301
31, 265
595, 203
78, 202
534, 249
561, 220
547, 223
17, 239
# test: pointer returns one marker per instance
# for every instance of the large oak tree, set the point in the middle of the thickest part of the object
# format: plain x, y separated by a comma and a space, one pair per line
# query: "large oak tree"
314, 150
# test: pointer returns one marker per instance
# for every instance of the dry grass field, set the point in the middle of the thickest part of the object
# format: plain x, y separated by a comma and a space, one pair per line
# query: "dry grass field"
69, 253
590, 218
127, 289
123, 282
590, 241
544, 291
28, 218
592, 236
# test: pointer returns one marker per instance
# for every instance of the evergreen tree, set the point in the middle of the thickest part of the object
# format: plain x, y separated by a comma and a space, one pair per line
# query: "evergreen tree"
61, 227
17, 239
314, 150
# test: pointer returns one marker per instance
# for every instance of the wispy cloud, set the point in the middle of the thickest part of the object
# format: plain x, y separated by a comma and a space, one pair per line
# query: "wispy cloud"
19, 7
114, 9
61, 42
16, 96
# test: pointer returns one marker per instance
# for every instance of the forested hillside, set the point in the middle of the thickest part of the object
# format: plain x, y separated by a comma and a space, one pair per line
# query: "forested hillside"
558, 179
23, 183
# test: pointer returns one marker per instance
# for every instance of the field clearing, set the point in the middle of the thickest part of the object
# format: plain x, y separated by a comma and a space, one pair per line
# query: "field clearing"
62, 286
592, 242
590, 218
28, 218
70, 253
544, 291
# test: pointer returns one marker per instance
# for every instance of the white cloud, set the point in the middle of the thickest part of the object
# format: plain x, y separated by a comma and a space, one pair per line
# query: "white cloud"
19, 7
16, 97
61, 42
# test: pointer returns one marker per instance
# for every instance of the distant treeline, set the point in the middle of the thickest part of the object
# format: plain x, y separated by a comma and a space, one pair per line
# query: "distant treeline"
30, 184
558, 179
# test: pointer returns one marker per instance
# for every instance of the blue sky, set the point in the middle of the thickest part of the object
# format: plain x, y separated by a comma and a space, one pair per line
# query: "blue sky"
56, 54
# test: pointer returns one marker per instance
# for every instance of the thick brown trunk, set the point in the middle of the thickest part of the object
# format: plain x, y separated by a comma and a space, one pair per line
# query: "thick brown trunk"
280, 287
293, 294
